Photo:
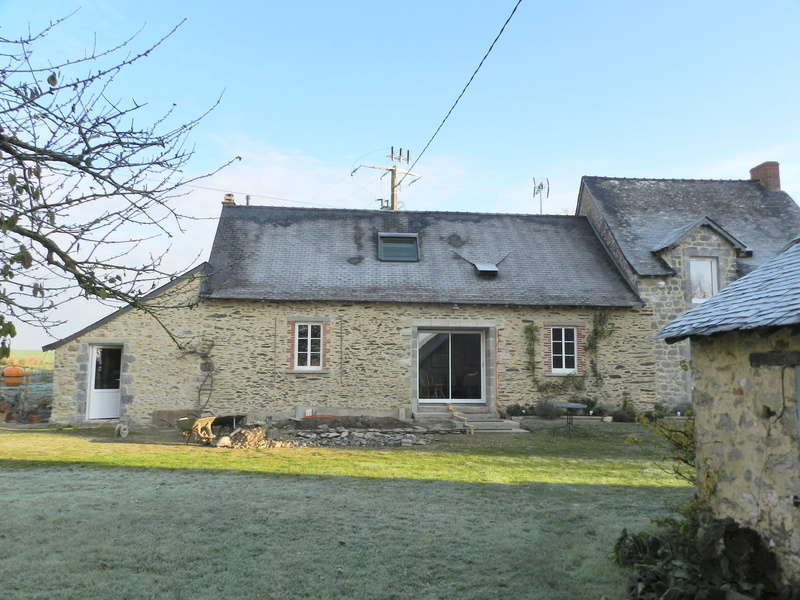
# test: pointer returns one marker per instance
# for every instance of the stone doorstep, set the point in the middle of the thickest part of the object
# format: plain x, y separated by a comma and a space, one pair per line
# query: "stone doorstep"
446, 406
482, 417
495, 426
471, 409
493, 431
433, 416
474, 418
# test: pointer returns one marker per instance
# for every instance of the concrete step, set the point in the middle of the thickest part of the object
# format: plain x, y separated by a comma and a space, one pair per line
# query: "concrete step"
474, 417
431, 408
469, 409
495, 426
446, 406
432, 416
480, 417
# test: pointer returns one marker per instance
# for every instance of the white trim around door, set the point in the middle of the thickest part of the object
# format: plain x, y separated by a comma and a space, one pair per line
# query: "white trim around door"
104, 400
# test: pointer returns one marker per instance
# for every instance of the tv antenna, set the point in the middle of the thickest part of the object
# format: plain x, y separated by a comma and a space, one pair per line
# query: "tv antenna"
398, 158
541, 189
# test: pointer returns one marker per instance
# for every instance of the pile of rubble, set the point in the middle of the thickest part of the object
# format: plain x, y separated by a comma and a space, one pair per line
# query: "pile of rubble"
265, 437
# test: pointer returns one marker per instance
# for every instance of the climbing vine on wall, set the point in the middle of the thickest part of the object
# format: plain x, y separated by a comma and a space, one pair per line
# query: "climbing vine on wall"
601, 330
532, 338
560, 385
203, 347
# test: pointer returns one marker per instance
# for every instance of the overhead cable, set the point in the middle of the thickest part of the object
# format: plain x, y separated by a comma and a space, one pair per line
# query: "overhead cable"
465, 88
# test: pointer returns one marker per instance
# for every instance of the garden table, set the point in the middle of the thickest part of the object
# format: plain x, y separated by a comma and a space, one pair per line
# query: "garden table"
571, 408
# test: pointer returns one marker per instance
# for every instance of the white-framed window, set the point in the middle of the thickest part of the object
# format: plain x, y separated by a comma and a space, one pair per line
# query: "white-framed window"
398, 247
564, 350
308, 346
703, 278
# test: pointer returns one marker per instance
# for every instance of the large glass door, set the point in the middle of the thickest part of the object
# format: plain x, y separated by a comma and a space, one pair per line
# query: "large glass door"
450, 366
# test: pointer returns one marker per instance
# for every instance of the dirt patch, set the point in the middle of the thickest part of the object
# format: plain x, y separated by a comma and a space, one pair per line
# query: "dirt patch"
360, 422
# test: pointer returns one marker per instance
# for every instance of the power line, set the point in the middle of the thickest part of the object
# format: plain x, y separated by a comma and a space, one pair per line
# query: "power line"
435, 133
201, 187
308, 202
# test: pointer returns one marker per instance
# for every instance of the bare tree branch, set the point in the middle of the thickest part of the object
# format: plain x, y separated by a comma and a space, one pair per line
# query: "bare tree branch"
82, 186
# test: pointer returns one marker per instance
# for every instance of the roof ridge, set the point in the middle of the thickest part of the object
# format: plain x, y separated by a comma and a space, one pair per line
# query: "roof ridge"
669, 179
381, 211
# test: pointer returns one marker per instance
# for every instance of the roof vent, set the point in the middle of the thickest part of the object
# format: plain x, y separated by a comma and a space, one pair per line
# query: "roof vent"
486, 269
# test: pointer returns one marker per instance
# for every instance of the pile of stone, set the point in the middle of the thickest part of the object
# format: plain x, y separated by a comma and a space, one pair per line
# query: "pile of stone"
370, 437
255, 437
265, 437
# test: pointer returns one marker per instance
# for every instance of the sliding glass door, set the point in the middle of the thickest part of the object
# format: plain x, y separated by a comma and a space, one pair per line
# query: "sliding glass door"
450, 366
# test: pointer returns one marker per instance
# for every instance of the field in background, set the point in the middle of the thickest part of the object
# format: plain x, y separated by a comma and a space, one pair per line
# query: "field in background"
30, 358
22, 400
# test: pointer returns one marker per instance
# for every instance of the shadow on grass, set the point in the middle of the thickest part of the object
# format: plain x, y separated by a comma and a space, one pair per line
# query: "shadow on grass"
146, 533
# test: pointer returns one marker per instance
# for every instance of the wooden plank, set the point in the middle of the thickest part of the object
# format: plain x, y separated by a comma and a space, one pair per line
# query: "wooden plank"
774, 359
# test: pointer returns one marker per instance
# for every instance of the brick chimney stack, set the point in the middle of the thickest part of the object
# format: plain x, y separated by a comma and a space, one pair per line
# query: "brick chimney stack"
769, 174
228, 200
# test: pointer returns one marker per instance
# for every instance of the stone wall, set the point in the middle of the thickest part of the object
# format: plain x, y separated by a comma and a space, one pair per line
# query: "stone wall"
747, 438
236, 357
671, 297
153, 367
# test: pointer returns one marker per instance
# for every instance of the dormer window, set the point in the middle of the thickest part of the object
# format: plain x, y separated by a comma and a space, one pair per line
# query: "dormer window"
398, 247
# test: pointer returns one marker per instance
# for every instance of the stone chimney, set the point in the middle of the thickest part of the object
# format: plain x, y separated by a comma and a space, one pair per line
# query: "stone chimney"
769, 174
229, 201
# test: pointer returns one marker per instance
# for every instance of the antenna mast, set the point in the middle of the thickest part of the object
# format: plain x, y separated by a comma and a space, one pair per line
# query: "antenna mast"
539, 189
399, 158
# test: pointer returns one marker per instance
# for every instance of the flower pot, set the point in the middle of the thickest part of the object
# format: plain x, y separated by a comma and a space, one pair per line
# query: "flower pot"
33, 419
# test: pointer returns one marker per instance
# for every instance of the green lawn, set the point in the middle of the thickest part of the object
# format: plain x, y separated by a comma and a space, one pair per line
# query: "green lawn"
484, 516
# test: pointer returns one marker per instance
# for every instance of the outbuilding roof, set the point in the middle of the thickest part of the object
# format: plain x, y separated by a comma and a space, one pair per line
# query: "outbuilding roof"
277, 253
644, 215
767, 297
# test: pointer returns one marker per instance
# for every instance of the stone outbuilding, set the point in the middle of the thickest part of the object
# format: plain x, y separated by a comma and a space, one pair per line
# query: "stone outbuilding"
746, 366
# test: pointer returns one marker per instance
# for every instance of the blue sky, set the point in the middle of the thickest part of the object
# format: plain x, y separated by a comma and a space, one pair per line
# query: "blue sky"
311, 89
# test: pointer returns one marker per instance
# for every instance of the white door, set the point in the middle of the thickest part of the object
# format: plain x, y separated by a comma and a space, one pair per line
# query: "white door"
104, 394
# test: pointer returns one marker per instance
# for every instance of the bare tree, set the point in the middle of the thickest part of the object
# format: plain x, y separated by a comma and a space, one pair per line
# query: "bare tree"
83, 186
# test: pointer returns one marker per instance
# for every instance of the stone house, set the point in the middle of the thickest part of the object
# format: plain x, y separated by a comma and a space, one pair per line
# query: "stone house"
679, 241
401, 313
746, 366
369, 312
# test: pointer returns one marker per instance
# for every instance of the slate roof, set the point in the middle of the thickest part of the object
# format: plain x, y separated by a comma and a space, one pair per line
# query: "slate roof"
644, 213
767, 297
674, 237
276, 253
